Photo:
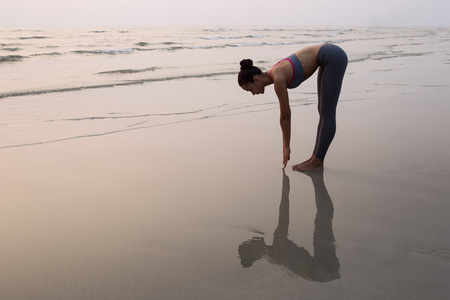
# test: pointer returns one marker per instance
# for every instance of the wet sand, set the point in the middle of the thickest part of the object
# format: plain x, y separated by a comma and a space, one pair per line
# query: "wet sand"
201, 209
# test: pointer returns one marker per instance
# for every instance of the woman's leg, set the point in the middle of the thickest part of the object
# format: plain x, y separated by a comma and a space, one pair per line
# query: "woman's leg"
333, 63
319, 93
319, 107
330, 89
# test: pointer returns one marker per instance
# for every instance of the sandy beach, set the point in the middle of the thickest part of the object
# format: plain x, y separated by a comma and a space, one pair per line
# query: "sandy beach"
197, 206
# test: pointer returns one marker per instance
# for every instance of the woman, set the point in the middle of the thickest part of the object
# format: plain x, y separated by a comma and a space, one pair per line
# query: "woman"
289, 73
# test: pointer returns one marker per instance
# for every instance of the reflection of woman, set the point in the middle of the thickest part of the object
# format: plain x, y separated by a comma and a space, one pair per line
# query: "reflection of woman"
324, 265
289, 73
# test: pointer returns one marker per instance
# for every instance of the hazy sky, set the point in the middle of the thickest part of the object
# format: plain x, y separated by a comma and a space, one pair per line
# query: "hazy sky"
21, 13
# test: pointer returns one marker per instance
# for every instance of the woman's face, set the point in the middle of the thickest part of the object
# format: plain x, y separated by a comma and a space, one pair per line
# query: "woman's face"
256, 87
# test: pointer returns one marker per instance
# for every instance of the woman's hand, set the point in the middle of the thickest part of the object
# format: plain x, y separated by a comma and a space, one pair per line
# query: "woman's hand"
286, 155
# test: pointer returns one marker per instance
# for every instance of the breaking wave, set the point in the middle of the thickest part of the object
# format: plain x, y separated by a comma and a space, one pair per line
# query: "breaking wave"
108, 85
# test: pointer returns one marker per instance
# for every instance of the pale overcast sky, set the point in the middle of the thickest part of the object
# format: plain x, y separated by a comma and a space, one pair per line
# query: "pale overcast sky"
35, 13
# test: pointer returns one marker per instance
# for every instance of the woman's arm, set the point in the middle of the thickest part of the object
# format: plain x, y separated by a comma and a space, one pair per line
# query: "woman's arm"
285, 116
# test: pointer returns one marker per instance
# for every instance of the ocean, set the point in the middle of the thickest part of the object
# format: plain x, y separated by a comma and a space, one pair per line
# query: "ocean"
61, 61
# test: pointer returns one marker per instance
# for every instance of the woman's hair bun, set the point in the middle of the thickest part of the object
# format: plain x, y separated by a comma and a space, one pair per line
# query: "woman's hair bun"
248, 71
246, 64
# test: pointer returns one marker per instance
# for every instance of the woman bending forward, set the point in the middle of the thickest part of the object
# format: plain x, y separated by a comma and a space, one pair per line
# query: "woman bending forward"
289, 73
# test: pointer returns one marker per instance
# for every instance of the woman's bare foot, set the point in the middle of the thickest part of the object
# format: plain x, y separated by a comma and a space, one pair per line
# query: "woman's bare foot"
307, 161
313, 164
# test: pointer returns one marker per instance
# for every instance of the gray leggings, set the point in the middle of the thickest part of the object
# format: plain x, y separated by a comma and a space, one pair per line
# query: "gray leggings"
332, 62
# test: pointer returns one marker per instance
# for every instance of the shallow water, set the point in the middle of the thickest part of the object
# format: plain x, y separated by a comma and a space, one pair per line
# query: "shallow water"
57, 62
